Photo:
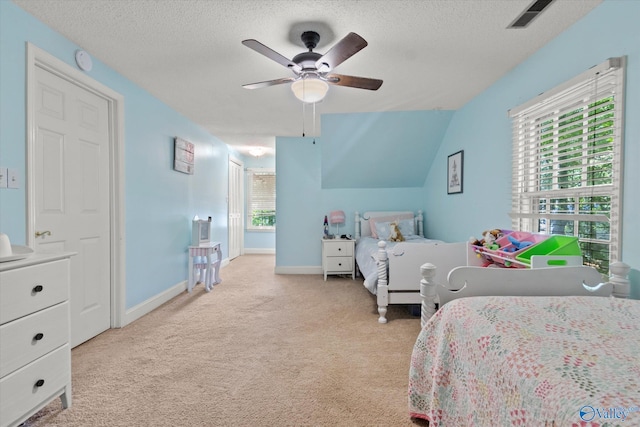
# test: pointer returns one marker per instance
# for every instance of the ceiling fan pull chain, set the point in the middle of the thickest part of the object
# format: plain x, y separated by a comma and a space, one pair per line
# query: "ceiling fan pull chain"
303, 114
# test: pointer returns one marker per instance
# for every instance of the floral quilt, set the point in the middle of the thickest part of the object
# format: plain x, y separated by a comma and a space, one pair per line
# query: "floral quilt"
528, 361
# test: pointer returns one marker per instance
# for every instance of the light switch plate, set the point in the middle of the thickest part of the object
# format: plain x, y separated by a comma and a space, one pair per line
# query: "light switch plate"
12, 178
3, 177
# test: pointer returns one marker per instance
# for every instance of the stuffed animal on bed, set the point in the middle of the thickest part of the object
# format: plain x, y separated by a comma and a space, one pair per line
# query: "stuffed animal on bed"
396, 235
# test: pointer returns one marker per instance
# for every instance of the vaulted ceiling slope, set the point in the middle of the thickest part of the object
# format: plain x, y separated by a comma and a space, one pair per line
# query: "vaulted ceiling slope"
380, 150
432, 55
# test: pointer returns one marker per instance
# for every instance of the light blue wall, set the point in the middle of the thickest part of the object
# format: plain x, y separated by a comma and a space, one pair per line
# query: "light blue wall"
483, 130
302, 203
298, 202
394, 149
159, 202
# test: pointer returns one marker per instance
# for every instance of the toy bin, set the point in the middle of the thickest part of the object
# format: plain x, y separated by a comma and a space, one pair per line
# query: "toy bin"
492, 255
510, 250
554, 245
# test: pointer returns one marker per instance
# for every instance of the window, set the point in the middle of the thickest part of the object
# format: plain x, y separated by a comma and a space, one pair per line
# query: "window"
567, 162
261, 199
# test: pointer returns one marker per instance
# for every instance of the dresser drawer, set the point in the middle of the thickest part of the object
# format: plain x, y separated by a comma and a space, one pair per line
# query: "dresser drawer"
19, 394
29, 289
30, 337
335, 264
338, 248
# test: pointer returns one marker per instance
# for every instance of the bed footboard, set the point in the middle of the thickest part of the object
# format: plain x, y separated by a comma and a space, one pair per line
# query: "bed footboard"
553, 281
398, 270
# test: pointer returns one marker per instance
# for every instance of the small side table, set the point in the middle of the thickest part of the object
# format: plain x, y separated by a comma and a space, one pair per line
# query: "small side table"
338, 257
207, 268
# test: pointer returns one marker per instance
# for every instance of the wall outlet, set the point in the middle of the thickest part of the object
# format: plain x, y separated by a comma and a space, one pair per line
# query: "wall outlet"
12, 178
3, 177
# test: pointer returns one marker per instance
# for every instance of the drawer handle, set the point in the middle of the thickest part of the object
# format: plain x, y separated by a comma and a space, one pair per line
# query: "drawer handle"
39, 383
339, 264
339, 249
38, 336
37, 288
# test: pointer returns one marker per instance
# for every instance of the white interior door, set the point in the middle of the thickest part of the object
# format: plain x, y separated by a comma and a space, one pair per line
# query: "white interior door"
71, 194
236, 205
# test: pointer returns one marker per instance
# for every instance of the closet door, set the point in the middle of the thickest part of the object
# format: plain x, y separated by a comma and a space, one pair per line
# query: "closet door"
71, 203
236, 209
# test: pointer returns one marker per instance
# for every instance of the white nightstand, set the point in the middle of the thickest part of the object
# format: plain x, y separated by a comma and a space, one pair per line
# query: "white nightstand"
338, 257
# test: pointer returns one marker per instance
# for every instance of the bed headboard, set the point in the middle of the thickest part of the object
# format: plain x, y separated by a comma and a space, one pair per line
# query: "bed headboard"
362, 222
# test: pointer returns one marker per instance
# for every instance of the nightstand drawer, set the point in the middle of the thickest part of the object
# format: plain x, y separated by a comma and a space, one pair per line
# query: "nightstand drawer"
335, 264
30, 337
338, 248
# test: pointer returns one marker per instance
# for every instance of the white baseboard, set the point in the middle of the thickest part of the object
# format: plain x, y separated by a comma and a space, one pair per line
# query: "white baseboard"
259, 251
156, 301
299, 270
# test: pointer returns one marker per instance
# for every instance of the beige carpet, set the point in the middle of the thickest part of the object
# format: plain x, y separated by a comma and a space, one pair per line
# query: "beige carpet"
259, 350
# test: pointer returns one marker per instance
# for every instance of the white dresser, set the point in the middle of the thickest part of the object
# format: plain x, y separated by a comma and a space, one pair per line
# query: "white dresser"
35, 354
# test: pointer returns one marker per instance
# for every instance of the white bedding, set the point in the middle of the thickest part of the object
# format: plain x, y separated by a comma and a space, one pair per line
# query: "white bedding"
367, 256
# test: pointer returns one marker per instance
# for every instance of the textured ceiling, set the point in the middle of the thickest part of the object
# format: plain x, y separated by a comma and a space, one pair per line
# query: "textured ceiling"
431, 54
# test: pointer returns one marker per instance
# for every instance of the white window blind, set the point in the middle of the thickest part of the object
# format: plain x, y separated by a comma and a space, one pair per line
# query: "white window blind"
261, 199
567, 162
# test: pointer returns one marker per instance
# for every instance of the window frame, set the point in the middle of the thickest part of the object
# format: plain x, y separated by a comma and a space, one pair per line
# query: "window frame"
251, 174
541, 149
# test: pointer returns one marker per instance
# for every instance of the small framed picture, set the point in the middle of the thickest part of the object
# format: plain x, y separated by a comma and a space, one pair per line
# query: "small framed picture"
455, 172
184, 156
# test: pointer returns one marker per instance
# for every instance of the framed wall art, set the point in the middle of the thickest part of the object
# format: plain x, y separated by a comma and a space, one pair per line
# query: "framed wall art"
184, 156
455, 172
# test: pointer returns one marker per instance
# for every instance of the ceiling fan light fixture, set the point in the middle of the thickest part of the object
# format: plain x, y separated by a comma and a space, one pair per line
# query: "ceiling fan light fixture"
256, 151
310, 90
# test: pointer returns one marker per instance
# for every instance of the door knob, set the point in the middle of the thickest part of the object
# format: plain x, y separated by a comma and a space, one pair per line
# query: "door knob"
43, 233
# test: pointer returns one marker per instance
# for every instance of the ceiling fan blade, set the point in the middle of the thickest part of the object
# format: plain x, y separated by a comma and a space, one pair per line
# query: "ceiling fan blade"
353, 81
271, 54
269, 83
341, 51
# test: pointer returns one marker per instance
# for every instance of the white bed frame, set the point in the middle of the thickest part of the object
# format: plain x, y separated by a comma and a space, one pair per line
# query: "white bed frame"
399, 271
468, 281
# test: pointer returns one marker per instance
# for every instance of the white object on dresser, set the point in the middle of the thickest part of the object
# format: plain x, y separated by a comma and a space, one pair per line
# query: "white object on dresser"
338, 257
35, 355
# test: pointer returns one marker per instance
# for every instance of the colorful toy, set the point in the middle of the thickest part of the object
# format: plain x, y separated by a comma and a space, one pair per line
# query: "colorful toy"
490, 237
517, 245
488, 240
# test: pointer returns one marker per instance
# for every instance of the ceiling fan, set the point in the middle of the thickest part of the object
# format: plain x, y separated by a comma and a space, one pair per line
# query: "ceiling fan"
313, 71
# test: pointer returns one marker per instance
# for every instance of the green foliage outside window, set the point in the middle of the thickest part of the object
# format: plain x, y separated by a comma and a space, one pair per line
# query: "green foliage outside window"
565, 143
263, 218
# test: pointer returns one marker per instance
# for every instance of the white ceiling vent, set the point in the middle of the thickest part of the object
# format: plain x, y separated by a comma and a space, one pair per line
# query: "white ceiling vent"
525, 18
